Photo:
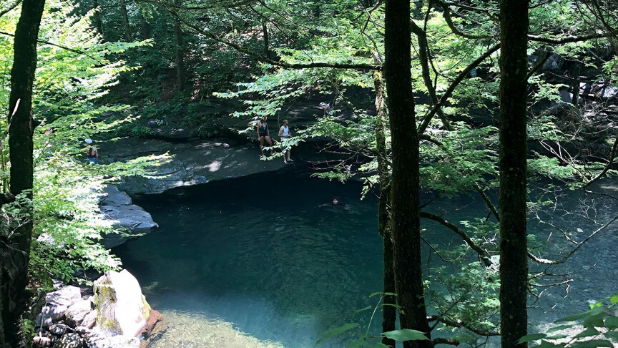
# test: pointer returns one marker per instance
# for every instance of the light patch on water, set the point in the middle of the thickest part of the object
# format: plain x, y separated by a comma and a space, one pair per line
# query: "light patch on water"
190, 330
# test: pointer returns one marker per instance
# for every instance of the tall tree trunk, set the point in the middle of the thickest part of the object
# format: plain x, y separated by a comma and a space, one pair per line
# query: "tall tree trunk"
180, 63
405, 227
14, 274
389, 313
513, 138
266, 43
144, 27
98, 23
125, 20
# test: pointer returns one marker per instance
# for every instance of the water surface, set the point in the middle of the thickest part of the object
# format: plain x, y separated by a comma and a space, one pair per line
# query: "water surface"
269, 261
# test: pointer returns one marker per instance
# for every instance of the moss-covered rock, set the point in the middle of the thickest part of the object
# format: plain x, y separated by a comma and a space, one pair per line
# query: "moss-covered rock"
120, 306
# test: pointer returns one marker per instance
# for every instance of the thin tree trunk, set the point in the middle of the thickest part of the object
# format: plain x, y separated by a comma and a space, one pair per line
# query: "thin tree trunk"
405, 228
266, 43
98, 23
423, 55
389, 312
180, 63
144, 27
512, 166
125, 20
14, 274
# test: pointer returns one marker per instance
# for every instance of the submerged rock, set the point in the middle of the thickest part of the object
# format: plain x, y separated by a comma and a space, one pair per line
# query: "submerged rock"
122, 213
120, 306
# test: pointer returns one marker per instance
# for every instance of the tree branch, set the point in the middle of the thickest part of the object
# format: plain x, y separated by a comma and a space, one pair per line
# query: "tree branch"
567, 256
263, 59
607, 167
52, 44
449, 21
568, 39
459, 323
483, 254
427, 118
10, 8
441, 340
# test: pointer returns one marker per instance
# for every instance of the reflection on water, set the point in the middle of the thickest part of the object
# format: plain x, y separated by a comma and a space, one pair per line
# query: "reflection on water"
269, 261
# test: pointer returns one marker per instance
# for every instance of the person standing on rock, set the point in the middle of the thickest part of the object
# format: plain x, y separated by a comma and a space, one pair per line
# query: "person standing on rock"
91, 152
264, 134
285, 134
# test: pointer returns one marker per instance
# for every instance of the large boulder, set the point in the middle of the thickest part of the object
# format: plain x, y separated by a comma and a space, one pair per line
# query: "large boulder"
122, 214
57, 303
121, 308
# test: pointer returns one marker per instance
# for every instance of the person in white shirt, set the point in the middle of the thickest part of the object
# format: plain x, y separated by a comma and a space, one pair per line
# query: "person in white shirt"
284, 134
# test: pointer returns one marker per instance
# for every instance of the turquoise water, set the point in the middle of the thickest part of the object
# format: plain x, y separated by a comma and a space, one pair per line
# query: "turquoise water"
269, 261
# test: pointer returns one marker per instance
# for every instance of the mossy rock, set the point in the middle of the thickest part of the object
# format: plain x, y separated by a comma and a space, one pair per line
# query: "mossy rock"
120, 306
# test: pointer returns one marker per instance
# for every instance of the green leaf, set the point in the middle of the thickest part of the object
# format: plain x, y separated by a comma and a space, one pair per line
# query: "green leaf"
559, 327
611, 323
592, 344
405, 335
557, 337
357, 343
614, 299
578, 316
336, 331
363, 309
546, 344
587, 333
595, 320
612, 335
531, 337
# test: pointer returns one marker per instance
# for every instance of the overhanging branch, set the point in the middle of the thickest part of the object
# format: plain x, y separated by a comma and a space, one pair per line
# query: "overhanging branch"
483, 254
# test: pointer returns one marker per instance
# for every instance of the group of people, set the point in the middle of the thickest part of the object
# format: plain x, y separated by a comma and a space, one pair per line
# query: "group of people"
264, 136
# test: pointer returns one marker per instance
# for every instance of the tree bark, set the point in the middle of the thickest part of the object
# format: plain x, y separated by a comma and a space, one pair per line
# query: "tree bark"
512, 167
125, 20
180, 63
14, 274
98, 23
389, 312
405, 227
145, 31
266, 41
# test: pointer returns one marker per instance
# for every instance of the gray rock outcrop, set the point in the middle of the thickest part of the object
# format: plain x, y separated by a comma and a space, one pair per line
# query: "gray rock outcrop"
120, 211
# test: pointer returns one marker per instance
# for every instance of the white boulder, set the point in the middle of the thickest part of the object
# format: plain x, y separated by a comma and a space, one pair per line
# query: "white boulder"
121, 308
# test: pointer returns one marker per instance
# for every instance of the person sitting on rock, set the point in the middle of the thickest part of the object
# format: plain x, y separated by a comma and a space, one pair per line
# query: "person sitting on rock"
91, 152
284, 133
264, 134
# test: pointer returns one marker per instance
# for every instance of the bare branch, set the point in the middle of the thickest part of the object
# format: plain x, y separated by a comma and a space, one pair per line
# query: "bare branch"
483, 254
263, 59
568, 39
607, 167
10, 8
567, 256
459, 323
462, 75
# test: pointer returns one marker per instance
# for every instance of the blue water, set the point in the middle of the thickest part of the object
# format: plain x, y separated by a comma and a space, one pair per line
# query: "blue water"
271, 256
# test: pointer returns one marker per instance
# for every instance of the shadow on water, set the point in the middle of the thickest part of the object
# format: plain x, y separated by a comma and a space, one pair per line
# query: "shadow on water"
270, 255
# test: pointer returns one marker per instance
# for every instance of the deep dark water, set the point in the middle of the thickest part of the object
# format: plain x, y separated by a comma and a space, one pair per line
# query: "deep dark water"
271, 256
